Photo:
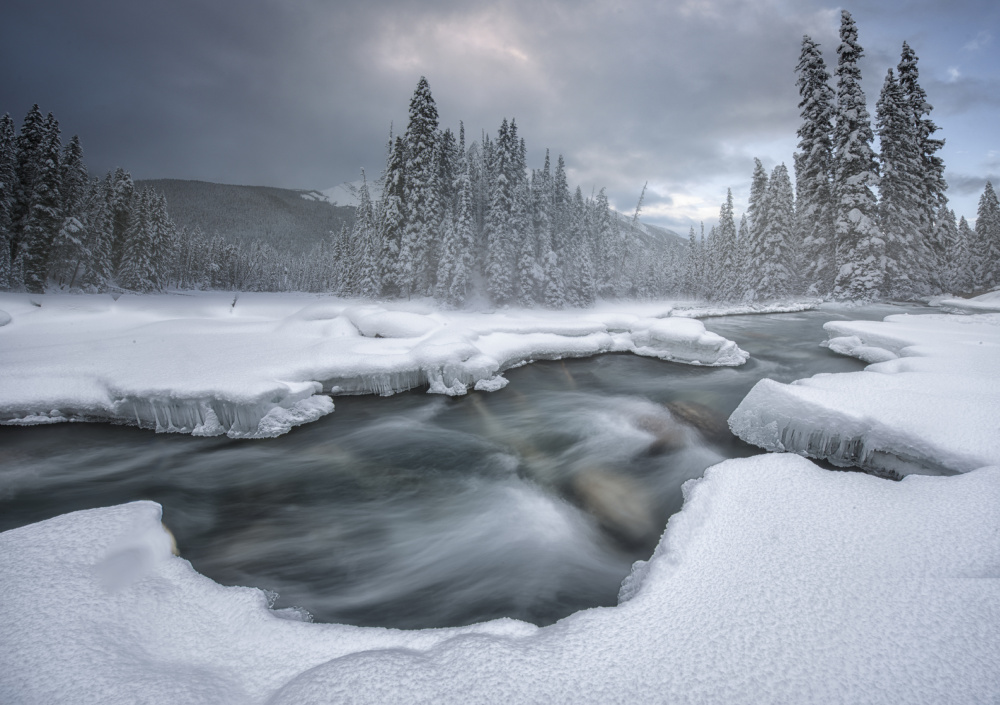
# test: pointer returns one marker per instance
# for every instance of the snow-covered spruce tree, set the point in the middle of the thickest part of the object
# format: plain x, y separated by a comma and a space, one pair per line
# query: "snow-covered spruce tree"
500, 241
774, 266
523, 245
369, 245
448, 259
136, 271
8, 183
122, 192
987, 270
465, 229
99, 272
70, 244
555, 296
965, 261
423, 206
742, 286
580, 287
757, 219
691, 268
813, 164
932, 186
728, 268
953, 253
900, 189
44, 217
860, 249
392, 214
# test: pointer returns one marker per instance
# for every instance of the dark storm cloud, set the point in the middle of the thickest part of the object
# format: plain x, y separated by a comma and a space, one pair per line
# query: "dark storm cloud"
680, 94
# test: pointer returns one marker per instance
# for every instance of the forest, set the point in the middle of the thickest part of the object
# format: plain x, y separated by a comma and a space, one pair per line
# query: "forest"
458, 220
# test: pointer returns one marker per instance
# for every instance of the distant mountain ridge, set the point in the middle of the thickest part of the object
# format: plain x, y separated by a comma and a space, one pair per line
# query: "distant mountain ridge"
294, 220
291, 220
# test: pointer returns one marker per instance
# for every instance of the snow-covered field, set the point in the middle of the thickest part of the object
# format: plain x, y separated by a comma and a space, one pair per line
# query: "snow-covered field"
205, 365
777, 582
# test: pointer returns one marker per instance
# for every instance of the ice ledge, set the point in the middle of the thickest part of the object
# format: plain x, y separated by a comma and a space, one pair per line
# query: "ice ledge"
928, 402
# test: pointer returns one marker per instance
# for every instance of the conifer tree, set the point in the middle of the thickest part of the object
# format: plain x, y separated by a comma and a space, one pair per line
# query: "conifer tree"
44, 217
775, 259
392, 214
965, 260
929, 179
987, 272
860, 248
423, 206
728, 256
813, 164
8, 194
900, 188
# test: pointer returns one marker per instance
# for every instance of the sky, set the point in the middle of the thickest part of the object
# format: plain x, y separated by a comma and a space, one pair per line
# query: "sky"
302, 93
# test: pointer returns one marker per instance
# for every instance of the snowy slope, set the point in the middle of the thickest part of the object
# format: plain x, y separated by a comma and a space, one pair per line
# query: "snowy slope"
257, 366
777, 582
928, 402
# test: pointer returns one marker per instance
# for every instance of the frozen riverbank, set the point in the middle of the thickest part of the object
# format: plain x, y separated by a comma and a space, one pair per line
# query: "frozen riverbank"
929, 401
747, 599
257, 365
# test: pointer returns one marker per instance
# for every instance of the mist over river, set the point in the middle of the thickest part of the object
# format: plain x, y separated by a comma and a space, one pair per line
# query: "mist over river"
418, 510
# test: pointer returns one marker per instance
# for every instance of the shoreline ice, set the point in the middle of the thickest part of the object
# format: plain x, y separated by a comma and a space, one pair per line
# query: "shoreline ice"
256, 365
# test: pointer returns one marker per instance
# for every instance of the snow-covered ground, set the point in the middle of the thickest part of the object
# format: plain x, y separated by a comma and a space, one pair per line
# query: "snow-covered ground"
777, 582
928, 402
256, 367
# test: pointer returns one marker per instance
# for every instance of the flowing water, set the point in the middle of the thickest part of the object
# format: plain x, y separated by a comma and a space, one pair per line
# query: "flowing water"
423, 511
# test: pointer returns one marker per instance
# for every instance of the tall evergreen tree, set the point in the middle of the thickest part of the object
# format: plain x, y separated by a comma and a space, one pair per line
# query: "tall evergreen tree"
933, 200
44, 217
729, 270
774, 266
860, 248
423, 205
813, 165
965, 260
900, 188
8, 195
987, 272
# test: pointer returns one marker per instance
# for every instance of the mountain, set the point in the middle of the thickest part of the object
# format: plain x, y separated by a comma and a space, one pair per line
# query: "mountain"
289, 219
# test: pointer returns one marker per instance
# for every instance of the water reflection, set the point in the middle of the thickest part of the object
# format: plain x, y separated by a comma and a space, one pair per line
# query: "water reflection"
417, 511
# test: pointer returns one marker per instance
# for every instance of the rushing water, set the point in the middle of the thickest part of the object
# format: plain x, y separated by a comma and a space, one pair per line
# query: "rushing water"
421, 511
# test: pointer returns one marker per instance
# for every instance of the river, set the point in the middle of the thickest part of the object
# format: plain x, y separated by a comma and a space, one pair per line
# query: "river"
419, 511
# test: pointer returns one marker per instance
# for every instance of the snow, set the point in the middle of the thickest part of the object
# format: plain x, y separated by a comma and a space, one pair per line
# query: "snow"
928, 402
257, 365
746, 309
777, 582
986, 303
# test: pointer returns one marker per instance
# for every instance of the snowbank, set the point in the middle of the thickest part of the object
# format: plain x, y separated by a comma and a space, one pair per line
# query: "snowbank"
255, 366
777, 582
928, 402
987, 303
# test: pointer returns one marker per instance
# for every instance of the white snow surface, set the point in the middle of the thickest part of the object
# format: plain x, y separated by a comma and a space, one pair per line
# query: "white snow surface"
777, 582
986, 303
206, 365
928, 402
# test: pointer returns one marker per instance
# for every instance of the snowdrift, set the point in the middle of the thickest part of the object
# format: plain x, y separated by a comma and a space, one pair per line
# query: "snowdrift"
254, 366
777, 582
928, 402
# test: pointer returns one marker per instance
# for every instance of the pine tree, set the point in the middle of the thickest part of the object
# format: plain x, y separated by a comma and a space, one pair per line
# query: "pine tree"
742, 256
393, 219
70, 244
757, 217
931, 184
369, 244
44, 217
860, 249
987, 271
900, 188
965, 260
774, 266
423, 206
136, 268
465, 229
8, 194
729, 270
813, 165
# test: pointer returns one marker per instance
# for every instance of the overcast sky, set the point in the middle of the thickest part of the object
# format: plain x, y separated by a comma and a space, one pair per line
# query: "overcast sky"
301, 93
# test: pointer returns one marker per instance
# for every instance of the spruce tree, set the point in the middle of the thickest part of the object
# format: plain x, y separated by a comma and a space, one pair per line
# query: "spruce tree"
44, 217
860, 249
757, 217
776, 257
900, 189
987, 271
423, 206
930, 182
729, 270
965, 261
8, 194
813, 165
392, 214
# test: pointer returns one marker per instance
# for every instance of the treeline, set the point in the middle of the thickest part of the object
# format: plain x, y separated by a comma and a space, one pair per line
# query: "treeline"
859, 225
60, 228
455, 220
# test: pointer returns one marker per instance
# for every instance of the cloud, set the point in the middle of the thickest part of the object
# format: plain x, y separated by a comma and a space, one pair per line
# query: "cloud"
980, 41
